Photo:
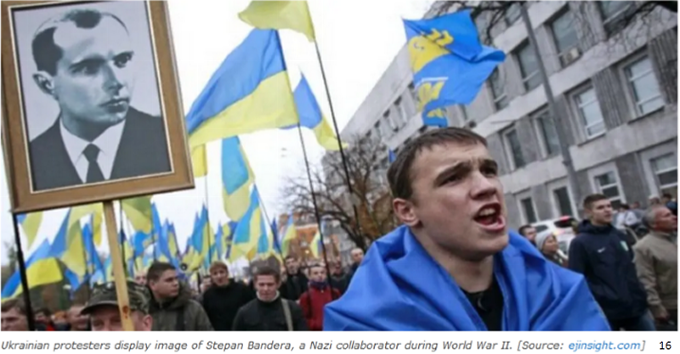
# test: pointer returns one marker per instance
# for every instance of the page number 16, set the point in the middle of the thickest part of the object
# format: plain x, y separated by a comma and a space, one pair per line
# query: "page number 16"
665, 346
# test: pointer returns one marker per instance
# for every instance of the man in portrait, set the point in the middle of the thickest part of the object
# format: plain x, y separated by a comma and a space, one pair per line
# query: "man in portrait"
84, 60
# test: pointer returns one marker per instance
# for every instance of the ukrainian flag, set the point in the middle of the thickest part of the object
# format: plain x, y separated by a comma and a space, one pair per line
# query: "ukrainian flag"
30, 223
250, 91
249, 229
237, 177
448, 62
315, 246
41, 269
311, 117
292, 15
289, 234
199, 161
138, 211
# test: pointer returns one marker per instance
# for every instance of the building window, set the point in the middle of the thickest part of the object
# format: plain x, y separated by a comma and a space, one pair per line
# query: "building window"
610, 9
590, 113
666, 172
548, 133
528, 67
402, 110
563, 201
566, 40
482, 24
466, 114
500, 99
608, 185
514, 149
390, 120
529, 211
412, 91
376, 129
643, 86
512, 14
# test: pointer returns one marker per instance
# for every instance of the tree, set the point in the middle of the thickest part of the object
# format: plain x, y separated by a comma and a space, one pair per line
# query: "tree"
495, 12
370, 192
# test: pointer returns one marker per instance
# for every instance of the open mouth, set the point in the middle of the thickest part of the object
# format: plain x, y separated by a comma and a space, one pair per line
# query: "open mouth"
489, 216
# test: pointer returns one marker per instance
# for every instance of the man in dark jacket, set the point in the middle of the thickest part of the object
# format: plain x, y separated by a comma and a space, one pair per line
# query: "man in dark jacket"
269, 312
600, 252
296, 281
171, 305
224, 297
339, 279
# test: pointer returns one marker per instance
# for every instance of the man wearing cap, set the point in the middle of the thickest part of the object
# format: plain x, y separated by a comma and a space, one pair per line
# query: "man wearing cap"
103, 308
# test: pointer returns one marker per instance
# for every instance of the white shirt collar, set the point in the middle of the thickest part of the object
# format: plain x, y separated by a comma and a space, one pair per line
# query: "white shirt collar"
107, 142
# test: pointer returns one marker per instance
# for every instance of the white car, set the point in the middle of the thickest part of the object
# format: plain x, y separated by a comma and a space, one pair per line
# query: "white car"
561, 228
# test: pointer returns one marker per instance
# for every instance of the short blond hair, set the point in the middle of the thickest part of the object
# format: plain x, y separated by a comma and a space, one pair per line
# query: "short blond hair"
218, 265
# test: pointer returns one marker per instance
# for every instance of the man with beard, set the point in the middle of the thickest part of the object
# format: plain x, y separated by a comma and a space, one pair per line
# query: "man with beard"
224, 297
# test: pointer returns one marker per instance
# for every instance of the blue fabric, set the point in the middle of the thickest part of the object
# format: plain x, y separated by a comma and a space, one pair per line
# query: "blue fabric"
400, 287
459, 25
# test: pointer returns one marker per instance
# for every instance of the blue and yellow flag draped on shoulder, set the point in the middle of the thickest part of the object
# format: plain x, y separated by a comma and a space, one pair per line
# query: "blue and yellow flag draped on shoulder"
250, 91
449, 63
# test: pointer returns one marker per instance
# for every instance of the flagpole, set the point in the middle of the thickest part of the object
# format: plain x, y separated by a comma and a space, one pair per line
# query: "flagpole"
337, 134
123, 239
22, 273
316, 208
87, 264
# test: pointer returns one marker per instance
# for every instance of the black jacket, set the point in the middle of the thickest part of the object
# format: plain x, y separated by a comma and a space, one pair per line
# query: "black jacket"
268, 316
294, 287
604, 257
142, 151
222, 303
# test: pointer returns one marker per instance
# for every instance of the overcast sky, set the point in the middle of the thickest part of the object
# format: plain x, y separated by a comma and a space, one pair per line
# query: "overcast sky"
357, 39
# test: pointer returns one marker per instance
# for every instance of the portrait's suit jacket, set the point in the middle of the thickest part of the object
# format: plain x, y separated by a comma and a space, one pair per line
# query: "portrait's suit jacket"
142, 150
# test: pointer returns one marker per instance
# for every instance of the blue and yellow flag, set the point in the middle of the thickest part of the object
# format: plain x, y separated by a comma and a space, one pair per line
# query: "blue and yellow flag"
41, 269
292, 15
249, 229
138, 211
289, 234
250, 91
311, 117
449, 64
391, 156
237, 177
30, 223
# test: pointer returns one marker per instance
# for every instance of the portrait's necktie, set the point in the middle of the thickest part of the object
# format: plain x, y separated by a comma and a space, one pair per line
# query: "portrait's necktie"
94, 173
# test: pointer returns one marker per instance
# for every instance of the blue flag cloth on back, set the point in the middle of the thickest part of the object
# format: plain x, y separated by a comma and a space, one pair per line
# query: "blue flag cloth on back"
448, 62
390, 292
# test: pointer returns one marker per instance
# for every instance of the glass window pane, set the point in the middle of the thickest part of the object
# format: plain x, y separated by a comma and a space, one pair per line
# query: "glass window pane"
585, 97
563, 201
515, 148
664, 162
645, 87
611, 8
670, 177
616, 203
606, 179
533, 82
502, 103
564, 31
638, 68
529, 211
610, 192
512, 14
552, 142
595, 129
527, 61
497, 86
591, 113
651, 106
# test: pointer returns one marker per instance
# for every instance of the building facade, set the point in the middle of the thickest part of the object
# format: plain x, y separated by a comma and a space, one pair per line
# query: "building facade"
616, 100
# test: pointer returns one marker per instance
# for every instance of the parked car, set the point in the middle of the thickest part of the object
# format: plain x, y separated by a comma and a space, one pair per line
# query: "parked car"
561, 228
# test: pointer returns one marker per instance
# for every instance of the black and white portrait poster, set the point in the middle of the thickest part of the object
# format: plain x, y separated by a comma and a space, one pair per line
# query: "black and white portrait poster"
90, 93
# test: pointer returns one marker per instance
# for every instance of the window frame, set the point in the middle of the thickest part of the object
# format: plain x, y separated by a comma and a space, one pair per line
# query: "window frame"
503, 96
509, 152
535, 118
525, 218
579, 115
655, 173
401, 109
508, 20
633, 104
621, 195
525, 80
556, 206
551, 28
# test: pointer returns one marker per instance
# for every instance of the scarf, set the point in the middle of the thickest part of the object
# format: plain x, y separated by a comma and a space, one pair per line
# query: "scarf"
400, 287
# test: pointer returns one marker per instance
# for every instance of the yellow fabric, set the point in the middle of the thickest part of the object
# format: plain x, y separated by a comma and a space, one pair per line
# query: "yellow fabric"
199, 161
423, 50
236, 204
74, 256
270, 106
42, 272
325, 136
291, 234
292, 15
138, 211
31, 225
314, 245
